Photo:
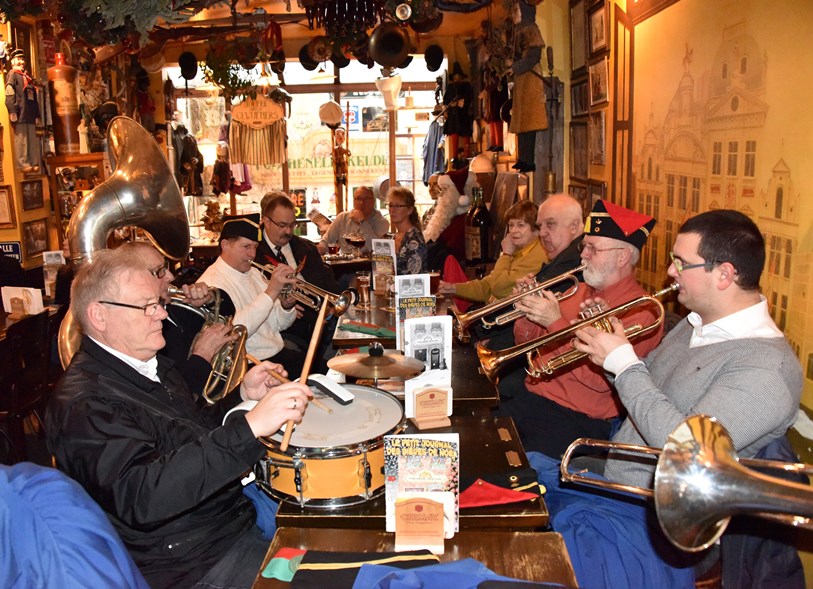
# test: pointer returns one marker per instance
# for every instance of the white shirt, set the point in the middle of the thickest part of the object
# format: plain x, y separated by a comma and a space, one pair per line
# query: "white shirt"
262, 316
285, 250
753, 321
148, 368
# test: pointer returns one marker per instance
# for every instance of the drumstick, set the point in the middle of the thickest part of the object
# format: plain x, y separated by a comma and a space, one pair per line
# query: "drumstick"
306, 367
279, 377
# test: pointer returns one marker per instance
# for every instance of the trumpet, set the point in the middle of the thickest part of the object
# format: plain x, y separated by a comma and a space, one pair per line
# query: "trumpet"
229, 362
492, 361
311, 295
463, 321
700, 483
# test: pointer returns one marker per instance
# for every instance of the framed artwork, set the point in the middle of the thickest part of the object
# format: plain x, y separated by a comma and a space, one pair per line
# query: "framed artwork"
32, 194
6, 208
599, 82
597, 136
579, 192
505, 195
579, 100
579, 161
578, 36
596, 190
599, 27
22, 38
35, 238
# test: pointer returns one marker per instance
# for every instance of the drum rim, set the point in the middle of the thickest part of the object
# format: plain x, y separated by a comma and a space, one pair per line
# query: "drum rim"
343, 451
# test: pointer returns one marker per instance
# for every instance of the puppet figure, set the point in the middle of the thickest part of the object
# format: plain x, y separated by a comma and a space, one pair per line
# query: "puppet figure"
24, 114
340, 155
528, 114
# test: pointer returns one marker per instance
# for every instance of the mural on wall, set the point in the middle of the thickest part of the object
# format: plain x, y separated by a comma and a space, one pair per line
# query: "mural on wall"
720, 123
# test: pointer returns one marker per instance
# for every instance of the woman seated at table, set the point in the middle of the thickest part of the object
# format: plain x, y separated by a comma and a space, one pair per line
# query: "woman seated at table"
522, 254
410, 247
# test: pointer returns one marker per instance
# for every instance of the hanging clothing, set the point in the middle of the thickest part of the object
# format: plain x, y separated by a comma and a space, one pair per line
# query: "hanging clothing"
434, 159
257, 146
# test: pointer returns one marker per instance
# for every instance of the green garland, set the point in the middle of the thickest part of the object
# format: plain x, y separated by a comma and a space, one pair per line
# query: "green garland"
103, 22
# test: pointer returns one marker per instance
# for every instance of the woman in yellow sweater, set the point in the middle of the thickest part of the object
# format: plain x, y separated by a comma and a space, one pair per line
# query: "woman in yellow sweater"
522, 254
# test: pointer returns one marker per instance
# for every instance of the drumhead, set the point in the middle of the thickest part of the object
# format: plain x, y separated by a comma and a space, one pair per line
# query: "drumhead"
372, 414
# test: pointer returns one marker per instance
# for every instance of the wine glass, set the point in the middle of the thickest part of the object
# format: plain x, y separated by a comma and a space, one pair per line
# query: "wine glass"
356, 241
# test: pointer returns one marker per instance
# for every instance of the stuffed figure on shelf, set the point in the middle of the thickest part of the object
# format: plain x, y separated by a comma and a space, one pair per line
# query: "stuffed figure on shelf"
24, 114
528, 114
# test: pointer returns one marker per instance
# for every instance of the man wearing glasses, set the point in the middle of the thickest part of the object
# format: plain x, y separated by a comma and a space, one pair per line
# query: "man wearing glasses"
279, 245
728, 359
190, 347
259, 304
363, 218
123, 423
578, 401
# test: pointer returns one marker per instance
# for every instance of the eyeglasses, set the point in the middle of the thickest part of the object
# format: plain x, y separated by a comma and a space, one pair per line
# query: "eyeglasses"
680, 266
161, 271
396, 206
284, 226
593, 250
149, 309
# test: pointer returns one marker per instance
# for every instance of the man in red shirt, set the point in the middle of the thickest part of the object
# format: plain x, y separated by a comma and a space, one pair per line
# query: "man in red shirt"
578, 401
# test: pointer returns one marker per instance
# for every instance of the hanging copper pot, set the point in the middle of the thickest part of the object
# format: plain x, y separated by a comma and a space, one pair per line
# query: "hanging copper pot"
306, 60
428, 23
389, 44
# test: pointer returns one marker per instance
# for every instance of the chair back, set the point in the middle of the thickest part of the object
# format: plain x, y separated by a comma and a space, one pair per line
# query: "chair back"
25, 368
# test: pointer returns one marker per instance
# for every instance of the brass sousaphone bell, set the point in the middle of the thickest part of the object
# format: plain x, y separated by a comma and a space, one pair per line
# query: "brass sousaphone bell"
700, 483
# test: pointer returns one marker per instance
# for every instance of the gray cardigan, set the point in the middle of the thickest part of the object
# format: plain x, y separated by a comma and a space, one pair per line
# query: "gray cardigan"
752, 386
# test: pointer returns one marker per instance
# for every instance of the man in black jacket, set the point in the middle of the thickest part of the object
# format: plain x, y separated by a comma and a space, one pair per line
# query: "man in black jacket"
280, 245
187, 345
123, 423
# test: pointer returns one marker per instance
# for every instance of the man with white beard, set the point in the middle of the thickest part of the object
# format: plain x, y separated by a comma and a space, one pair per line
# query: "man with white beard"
578, 401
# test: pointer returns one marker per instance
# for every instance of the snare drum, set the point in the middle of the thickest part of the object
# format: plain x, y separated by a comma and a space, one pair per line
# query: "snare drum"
334, 459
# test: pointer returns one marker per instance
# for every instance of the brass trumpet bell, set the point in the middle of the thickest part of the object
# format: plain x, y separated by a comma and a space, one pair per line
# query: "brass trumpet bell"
464, 321
700, 483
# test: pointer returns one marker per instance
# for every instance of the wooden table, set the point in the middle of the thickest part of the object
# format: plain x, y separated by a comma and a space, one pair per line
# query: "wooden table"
488, 445
530, 556
7, 321
345, 266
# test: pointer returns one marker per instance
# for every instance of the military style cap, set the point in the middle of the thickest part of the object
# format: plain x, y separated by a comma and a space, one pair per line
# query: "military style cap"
247, 226
611, 220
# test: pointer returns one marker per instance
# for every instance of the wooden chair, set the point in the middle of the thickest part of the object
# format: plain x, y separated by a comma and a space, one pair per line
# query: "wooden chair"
23, 378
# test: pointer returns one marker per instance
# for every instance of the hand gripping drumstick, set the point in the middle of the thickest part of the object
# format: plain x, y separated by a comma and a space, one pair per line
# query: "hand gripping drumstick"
279, 377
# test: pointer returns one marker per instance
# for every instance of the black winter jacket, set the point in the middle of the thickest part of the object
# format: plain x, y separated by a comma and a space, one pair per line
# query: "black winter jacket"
164, 471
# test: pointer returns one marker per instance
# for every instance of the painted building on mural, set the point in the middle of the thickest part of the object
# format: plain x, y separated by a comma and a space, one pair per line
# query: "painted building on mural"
715, 146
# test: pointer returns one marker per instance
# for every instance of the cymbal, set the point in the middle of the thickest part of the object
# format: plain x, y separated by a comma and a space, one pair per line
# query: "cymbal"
373, 366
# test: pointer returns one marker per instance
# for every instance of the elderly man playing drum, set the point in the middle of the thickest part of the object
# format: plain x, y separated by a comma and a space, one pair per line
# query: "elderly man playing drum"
550, 411
259, 304
124, 425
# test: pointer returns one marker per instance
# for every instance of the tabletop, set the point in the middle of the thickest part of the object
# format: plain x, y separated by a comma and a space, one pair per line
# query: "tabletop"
530, 556
489, 446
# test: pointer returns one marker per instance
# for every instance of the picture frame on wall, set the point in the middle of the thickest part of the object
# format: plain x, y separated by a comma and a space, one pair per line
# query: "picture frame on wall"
596, 190
35, 237
32, 195
597, 134
578, 36
579, 192
599, 28
22, 35
579, 150
7, 220
599, 82
579, 99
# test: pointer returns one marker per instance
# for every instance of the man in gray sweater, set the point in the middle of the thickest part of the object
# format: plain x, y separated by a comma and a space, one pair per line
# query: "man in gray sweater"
728, 359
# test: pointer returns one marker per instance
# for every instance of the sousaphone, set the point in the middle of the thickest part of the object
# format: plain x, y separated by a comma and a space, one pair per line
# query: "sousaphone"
142, 192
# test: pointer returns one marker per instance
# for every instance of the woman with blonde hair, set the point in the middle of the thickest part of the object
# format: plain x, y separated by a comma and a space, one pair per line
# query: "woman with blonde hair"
522, 254
410, 247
